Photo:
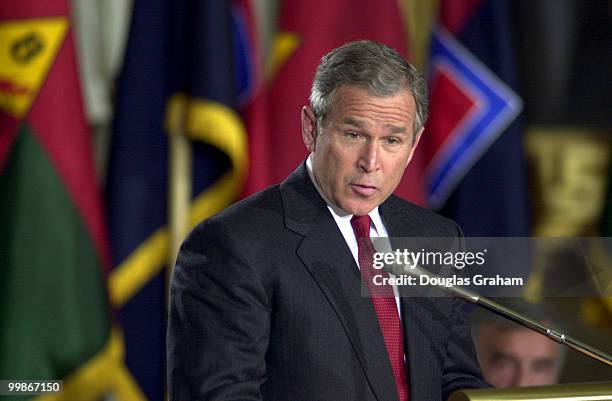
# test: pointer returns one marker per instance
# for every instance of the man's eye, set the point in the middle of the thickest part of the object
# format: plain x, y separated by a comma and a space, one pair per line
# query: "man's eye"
392, 141
352, 135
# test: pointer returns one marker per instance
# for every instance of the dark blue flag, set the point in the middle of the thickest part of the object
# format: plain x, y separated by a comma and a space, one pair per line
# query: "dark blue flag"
490, 197
477, 171
186, 70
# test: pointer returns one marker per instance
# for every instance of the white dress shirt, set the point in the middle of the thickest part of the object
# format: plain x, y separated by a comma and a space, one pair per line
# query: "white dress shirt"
343, 221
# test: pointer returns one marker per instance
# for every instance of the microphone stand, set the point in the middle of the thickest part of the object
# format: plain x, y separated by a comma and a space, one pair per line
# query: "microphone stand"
523, 320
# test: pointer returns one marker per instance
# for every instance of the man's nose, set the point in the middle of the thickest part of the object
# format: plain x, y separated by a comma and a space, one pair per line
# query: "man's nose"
524, 376
370, 157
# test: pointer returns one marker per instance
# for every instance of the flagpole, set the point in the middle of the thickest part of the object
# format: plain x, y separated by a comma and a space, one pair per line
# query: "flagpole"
420, 17
179, 182
179, 185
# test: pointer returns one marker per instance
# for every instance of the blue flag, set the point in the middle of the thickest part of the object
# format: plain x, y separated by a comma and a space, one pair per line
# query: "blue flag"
186, 70
476, 171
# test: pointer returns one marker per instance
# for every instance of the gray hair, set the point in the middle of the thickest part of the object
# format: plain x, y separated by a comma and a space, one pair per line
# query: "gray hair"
370, 65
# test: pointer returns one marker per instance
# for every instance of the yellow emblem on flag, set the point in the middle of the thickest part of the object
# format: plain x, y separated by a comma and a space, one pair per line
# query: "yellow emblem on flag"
285, 44
27, 50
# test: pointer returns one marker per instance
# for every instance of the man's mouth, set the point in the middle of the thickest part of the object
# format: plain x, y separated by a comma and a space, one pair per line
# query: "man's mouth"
364, 190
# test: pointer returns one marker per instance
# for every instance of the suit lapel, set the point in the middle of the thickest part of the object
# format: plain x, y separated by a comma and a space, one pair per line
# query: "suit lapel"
328, 259
416, 318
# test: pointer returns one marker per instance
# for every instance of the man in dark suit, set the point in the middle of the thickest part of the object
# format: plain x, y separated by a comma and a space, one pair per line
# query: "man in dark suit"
266, 297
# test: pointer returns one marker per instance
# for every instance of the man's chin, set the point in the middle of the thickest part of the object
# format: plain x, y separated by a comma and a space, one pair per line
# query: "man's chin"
360, 210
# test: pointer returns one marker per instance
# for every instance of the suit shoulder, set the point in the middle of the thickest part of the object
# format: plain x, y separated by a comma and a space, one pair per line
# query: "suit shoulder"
430, 222
263, 209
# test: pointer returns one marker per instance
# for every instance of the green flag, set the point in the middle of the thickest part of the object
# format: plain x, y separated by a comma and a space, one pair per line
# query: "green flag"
54, 314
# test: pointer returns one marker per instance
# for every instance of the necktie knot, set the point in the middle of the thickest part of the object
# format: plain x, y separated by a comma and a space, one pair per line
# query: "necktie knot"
361, 226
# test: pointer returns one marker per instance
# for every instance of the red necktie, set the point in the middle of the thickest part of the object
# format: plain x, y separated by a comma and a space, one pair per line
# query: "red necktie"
384, 305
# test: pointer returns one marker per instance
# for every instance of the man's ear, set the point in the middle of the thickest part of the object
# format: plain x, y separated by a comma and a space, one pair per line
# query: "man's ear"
309, 128
414, 145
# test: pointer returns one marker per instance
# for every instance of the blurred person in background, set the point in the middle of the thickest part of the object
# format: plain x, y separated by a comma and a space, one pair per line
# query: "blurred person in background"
511, 355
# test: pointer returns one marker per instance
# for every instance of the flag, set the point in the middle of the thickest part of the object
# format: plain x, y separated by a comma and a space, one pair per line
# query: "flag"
471, 157
606, 221
55, 322
307, 31
187, 70
606, 231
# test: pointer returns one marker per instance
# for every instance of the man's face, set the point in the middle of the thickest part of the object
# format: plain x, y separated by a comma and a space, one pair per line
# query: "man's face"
360, 153
515, 358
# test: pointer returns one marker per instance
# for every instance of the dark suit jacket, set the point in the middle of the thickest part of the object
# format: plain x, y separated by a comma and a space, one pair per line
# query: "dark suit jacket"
266, 304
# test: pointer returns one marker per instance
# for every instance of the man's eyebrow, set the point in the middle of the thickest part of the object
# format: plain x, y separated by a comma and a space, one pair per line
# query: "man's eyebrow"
360, 124
396, 129
544, 361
